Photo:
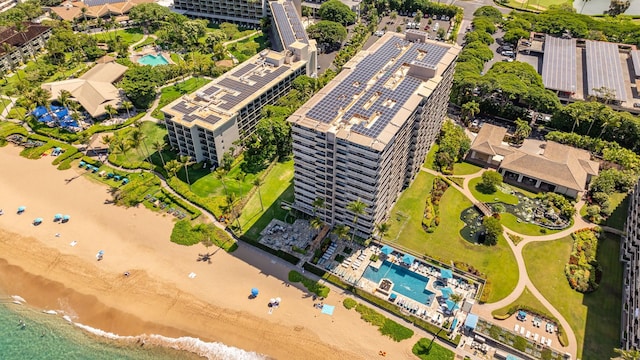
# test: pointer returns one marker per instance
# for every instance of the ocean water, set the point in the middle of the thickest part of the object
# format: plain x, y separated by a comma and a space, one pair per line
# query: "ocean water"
52, 335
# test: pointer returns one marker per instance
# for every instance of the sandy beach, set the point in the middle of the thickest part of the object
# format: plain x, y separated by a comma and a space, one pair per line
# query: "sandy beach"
158, 297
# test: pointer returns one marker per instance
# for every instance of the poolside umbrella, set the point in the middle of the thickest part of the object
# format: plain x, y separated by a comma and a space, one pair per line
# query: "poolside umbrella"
254, 292
408, 259
393, 296
387, 250
446, 292
22, 208
57, 217
451, 305
446, 274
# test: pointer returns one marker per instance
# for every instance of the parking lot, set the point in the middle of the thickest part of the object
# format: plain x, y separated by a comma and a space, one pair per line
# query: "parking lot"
404, 22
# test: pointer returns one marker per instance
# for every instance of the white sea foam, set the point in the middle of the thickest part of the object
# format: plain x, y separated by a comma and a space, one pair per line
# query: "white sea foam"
50, 312
212, 351
17, 298
68, 318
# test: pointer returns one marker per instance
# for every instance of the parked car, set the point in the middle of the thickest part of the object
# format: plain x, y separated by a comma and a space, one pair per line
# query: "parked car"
636, 105
526, 43
427, 27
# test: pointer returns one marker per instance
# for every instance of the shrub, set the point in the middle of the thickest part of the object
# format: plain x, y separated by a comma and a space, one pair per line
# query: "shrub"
312, 286
490, 181
583, 271
492, 228
184, 233
349, 303
386, 326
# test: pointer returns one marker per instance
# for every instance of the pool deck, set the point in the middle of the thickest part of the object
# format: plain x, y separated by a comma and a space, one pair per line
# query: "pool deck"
150, 50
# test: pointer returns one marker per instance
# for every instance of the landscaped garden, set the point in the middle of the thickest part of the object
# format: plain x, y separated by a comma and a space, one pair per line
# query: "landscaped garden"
445, 243
385, 325
170, 93
594, 317
426, 349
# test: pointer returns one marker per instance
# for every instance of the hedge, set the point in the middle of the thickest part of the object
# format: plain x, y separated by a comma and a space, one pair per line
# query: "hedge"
56, 133
66, 164
185, 205
183, 189
385, 325
311, 285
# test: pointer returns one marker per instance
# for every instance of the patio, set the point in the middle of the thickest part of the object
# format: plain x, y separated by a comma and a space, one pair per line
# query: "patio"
279, 235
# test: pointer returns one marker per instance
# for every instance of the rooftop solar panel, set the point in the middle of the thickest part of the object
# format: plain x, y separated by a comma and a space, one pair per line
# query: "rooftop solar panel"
326, 110
604, 70
559, 68
635, 58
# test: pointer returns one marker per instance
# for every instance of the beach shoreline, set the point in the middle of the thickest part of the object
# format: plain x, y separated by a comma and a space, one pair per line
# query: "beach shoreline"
157, 297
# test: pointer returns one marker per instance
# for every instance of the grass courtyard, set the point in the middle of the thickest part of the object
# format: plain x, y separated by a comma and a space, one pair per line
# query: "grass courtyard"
127, 36
594, 317
493, 197
134, 157
445, 243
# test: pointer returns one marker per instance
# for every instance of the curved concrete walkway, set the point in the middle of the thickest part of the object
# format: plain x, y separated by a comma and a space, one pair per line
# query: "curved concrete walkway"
485, 310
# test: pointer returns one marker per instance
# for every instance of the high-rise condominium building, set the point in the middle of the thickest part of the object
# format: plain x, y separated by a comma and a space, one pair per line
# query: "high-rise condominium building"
365, 135
630, 257
242, 12
205, 125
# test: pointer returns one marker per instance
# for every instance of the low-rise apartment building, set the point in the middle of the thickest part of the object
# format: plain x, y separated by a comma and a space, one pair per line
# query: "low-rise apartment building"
22, 44
630, 257
364, 136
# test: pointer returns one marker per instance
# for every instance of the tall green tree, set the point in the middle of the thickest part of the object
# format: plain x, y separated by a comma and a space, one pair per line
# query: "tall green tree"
335, 10
358, 208
327, 32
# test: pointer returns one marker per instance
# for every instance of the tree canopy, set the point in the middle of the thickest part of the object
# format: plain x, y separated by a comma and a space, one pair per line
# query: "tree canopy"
336, 11
327, 32
139, 84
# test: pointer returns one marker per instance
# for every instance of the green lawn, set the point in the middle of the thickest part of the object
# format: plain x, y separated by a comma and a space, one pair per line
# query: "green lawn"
446, 244
525, 299
243, 50
429, 161
127, 36
539, 5
595, 317
511, 222
489, 198
131, 159
170, 93
277, 186
619, 202
465, 168
425, 349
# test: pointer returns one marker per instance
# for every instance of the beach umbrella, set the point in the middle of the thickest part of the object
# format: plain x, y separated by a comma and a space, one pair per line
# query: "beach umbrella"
254, 292
66, 217
408, 259
278, 300
272, 300
37, 220
57, 216
387, 250
22, 208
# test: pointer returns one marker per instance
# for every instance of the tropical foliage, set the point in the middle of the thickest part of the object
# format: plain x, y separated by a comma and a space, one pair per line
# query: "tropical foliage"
453, 145
583, 271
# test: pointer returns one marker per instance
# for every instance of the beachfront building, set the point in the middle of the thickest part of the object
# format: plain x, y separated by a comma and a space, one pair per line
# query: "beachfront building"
22, 44
206, 124
630, 257
7, 4
242, 12
557, 168
365, 135
70, 10
94, 90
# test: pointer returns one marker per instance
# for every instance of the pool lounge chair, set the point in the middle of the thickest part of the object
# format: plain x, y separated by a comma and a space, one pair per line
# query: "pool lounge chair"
522, 330
548, 342
535, 337
528, 334
543, 340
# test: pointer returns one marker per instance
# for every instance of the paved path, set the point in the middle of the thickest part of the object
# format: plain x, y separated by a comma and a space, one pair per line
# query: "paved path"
485, 310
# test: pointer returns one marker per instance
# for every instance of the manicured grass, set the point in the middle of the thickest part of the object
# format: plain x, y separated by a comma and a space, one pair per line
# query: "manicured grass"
148, 41
311, 285
526, 299
465, 168
445, 243
277, 186
171, 93
594, 317
244, 49
127, 36
619, 202
425, 349
386, 326
134, 157
511, 222
489, 198
430, 160
17, 112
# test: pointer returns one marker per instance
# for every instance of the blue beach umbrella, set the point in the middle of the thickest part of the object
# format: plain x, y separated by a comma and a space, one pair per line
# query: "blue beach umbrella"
57, 216
386, 250
22, 208
254, 292
37, 221
66, 217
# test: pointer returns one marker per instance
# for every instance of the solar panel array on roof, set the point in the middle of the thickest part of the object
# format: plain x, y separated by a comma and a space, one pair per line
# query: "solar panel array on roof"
635, 58
244, 69
326, 110
604, 70
101, 2
288, 23
245, 90
559, 68
294, 20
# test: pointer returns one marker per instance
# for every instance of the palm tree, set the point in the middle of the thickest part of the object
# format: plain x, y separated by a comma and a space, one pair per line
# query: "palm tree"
136, 138
127, 105
83, 10
357, 208
158, 146
84, 139
185, 160
317, 204
631, 354
64, 98
40, 97
341, 231
172, 167
382, 229
121, 147
316, 224
110, 111
220, 173
258, 182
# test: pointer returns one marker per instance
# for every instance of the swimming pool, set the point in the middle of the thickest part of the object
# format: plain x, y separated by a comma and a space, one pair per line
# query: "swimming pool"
406, 282
153, 60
